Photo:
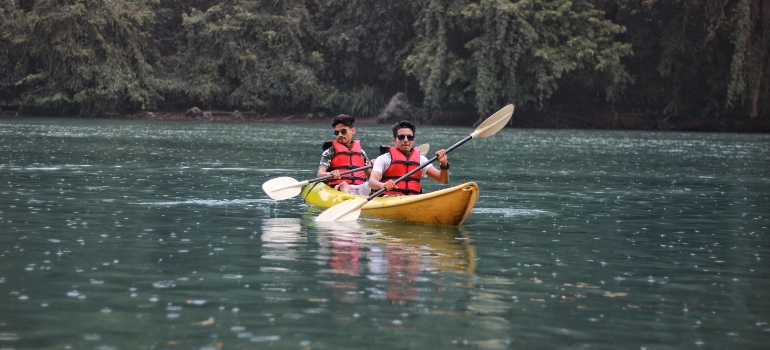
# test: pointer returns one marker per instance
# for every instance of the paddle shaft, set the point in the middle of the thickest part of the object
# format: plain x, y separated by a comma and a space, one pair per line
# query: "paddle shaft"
419, 148
272, 188
342, 173
408, 174
303, 183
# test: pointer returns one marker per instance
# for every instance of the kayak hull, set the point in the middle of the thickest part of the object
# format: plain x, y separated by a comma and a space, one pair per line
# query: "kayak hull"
450, 206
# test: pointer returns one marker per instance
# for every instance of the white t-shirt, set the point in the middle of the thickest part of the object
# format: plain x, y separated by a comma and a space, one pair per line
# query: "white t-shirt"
383, 162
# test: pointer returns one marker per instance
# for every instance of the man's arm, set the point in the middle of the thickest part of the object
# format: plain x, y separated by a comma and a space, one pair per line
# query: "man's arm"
326, 160
380, 164
374, 180
440, 175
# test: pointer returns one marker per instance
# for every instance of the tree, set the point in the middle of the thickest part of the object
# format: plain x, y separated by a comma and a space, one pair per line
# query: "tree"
86, 56
496, 51
254, 55
12, 24
90, 57
696, 57
750, 69
362, 42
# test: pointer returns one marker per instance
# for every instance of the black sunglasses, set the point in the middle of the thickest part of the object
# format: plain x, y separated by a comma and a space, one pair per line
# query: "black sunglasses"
408, 137
343, 131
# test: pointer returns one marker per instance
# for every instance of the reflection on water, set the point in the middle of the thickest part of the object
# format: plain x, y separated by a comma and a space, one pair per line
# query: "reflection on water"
281, 239
124, 235
395, 256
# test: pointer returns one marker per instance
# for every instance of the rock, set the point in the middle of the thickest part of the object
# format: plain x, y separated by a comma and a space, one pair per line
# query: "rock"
194, 113
236, 115
399, 109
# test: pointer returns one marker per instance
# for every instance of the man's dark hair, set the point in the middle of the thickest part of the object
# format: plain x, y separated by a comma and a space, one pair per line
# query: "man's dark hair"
401, 125
343, 119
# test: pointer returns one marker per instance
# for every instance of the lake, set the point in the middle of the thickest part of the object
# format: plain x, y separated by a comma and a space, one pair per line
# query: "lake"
157, 235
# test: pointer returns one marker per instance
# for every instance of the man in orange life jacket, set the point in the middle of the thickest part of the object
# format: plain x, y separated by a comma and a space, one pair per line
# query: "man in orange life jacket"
403, 158
343, 154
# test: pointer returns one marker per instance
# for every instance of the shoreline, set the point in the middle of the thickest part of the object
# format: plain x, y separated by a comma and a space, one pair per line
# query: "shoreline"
521, 120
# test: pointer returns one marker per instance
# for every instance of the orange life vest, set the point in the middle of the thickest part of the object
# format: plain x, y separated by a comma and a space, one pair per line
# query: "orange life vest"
399, 166
346, 159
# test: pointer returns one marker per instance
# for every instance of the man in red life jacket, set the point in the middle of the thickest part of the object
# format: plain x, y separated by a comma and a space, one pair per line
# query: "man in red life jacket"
403, 158
343, 154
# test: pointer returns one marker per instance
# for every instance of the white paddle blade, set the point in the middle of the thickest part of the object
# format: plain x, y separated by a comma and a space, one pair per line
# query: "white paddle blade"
282, 188
346, 211
424, 148
494, 123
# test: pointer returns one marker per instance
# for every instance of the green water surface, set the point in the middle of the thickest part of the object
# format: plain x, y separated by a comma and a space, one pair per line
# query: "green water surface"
157, 235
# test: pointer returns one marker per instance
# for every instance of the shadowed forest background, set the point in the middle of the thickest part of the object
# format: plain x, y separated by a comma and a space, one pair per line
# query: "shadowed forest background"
317, 58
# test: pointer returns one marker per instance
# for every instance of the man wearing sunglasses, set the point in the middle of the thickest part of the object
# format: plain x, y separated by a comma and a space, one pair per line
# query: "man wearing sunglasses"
403, 158
343, 154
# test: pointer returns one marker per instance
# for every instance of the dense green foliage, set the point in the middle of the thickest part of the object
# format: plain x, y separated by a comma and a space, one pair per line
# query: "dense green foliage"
697, 57
489, 52
253, 55
322, 57
86, 56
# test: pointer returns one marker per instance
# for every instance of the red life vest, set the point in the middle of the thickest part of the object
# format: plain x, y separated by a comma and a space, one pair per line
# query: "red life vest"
346, 159
399, 166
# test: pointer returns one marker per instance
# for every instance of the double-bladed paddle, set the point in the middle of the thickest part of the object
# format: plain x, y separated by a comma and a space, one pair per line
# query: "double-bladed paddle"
286, 187
351, 209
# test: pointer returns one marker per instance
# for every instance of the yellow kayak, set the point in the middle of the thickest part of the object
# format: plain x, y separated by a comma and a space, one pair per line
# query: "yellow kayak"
450, 206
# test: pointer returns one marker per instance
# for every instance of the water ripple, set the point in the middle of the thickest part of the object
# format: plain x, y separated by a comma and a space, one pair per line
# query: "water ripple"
508, 212
206, 202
